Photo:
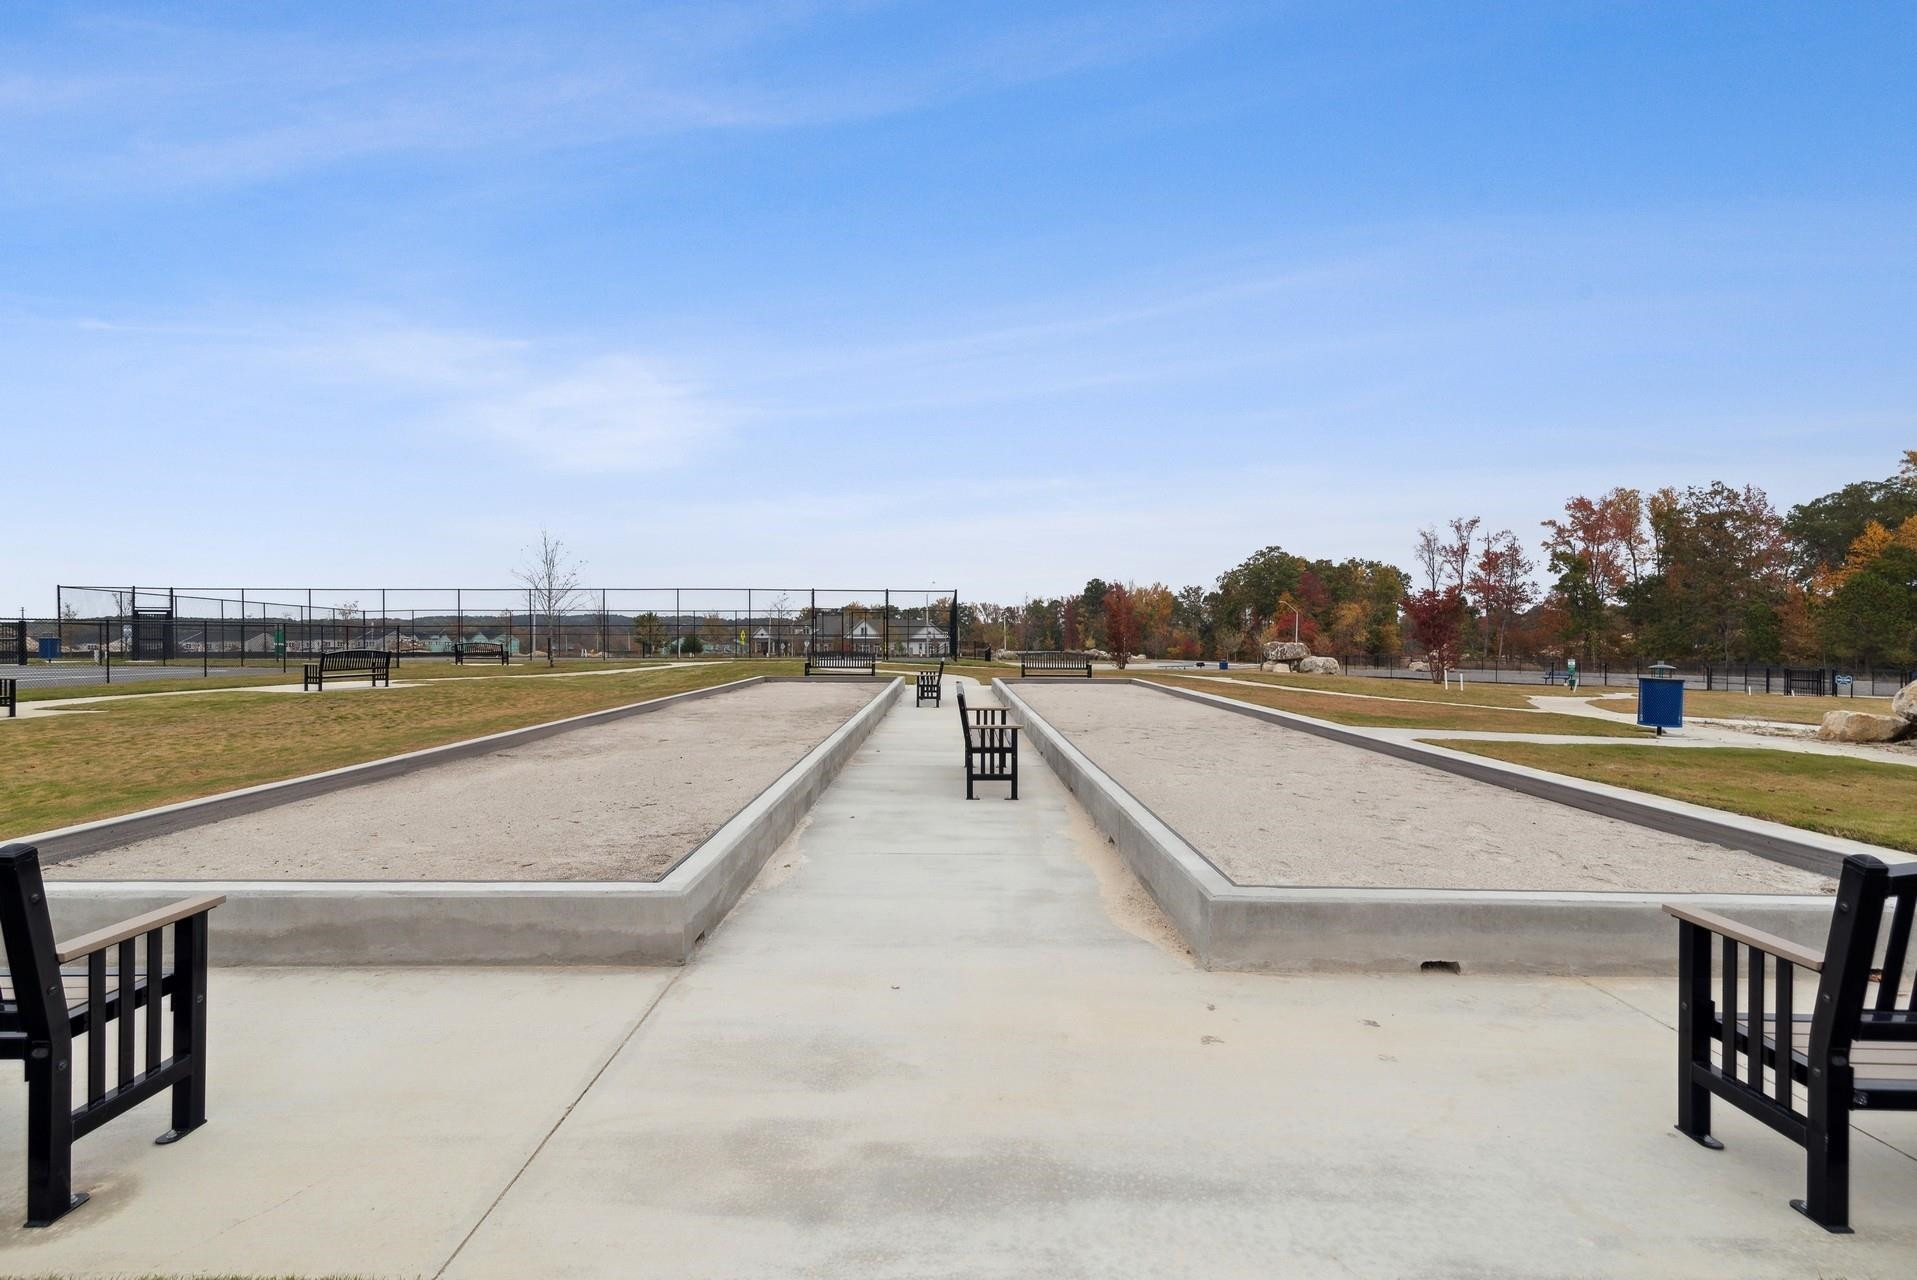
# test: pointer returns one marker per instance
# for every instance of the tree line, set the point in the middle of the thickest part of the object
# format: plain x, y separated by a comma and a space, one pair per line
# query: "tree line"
1702, 574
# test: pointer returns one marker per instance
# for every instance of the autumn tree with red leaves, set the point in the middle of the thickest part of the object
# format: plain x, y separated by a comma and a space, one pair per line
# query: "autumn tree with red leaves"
1437, 618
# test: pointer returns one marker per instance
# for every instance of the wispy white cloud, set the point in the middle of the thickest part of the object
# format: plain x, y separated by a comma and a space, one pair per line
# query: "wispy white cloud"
543, 403
180, 104
611, 414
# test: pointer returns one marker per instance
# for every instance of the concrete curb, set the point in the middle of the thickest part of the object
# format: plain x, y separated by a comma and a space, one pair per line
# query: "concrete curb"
1300, 930
496, 922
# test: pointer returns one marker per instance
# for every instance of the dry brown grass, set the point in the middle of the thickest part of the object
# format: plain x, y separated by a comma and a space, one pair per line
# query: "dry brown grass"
1379, 713
1857, 799
139, 752
1762, 706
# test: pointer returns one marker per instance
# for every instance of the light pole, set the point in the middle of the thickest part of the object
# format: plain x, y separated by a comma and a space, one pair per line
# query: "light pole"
1296, 614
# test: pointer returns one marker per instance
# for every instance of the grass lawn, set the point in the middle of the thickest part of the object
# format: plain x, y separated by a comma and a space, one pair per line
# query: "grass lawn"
414, 669
1762, 706
141, 752
1478, 695
1839, 796
1378, 713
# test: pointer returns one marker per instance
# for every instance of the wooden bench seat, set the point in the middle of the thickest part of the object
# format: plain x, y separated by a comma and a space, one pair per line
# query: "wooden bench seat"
991, 746
1854, 1050
88, 991
841, 664
479, 651
374, 664
1054, 664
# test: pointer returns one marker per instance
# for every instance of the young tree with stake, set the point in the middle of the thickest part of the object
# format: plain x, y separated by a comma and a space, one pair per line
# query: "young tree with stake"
551, 576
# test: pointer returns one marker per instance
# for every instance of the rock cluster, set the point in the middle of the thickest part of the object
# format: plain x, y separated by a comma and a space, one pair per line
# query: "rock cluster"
1862, 726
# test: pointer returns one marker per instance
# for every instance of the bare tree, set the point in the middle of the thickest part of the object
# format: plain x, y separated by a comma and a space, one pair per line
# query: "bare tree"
346, 613
551, 576
1428, 552
779, 610
1457, 552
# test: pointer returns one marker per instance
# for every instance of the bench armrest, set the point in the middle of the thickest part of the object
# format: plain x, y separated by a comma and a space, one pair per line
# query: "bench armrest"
100, 939
1769, 943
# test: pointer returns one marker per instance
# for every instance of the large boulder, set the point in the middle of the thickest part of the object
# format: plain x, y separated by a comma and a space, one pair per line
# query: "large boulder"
1904, 705
1861, 726
1286, 651
1276, 667
1319, 667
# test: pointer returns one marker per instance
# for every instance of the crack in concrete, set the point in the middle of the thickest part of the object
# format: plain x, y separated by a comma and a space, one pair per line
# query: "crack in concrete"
564, 1115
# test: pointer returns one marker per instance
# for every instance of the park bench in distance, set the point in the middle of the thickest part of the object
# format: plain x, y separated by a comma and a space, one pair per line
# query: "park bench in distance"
479, 651
841, 664
10, 695
1855, 1050
374, 664
1055, 664
931, 686
44, 1008
991, 746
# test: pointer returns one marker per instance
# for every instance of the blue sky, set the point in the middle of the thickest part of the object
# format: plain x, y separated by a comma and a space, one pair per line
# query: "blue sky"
999, 296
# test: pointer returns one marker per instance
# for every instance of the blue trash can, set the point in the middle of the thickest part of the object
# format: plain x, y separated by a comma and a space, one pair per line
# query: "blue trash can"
49, 648
1660, 698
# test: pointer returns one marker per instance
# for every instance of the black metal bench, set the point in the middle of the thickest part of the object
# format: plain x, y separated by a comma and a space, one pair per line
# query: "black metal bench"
991, 746
479, 651
374, 664
931, 686
1856, 1050
841, 664
52, 993
1055, 664
10, 695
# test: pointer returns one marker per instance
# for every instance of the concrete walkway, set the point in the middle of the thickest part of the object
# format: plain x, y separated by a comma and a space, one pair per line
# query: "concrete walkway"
944, 1039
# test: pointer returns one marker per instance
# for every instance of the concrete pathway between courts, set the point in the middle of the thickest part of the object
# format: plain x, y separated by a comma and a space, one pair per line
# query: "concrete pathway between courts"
945, 1039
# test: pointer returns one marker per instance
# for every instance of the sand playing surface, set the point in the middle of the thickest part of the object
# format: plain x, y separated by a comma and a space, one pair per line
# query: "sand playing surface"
1273, 806
622, 801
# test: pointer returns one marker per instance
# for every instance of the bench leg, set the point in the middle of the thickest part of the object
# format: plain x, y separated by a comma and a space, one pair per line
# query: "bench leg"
1694, 1014
50, 1136
189, 1026
1827, 1154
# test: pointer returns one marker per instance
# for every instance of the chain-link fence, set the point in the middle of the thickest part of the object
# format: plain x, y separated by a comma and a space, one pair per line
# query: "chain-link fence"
103, 635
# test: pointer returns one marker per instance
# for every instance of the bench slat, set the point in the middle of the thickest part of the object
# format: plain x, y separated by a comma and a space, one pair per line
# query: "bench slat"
1770, 943
87, 943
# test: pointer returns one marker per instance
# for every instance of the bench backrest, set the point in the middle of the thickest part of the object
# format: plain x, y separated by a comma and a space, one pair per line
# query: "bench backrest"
354, 660
1064, 661
33, 962
1870, 930
842, 659
481, 648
